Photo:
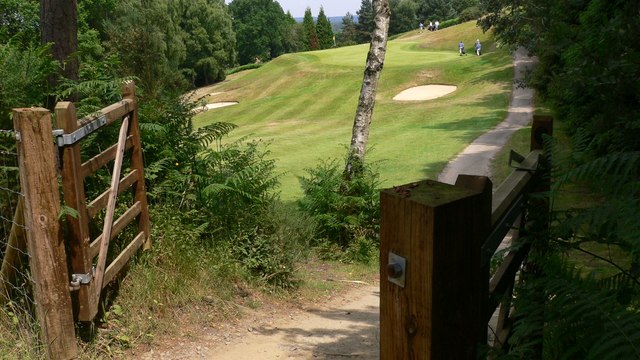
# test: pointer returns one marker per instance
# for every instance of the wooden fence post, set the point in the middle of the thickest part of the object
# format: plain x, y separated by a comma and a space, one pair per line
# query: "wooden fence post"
48, 263
74, 197
439, 229
137, 163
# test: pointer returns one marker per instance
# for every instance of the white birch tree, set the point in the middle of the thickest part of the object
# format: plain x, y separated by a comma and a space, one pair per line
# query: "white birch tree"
367, 99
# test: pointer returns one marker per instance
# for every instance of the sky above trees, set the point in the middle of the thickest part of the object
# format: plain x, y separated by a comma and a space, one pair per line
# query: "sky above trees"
331, 7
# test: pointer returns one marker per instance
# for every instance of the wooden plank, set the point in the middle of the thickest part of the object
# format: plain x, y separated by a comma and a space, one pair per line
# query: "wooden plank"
100, 202
439, 229
139, 191
13, 255
74, 197
119, 262
48, 263
504, 277
111, 207
102, 159
503, 315
111, 113
502, 336
512, 187
117, 228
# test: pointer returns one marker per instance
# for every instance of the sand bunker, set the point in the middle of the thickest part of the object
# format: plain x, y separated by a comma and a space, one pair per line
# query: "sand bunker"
214, 106
425, 92
220, 104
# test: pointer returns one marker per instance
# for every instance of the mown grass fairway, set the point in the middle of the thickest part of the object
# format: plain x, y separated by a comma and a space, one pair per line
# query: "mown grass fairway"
304, 104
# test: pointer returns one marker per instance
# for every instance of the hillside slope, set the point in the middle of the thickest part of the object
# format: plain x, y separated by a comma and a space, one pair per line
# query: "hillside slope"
303, 104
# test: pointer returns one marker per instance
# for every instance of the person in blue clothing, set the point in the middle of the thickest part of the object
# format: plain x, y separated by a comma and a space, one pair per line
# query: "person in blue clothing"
461, 48
478, 47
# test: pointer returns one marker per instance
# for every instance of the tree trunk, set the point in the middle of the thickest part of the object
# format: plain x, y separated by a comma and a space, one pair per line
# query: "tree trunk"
375, 62
59, 26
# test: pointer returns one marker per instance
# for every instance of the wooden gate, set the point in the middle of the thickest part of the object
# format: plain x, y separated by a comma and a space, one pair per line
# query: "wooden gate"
89, 279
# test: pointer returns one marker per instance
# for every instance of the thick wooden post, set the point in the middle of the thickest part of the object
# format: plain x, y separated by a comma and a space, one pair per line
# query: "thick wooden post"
439, 229
48, 263
483, 185
137, 163
74, 197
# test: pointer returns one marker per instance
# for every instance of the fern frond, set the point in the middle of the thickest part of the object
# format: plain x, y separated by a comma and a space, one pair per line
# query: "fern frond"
206, 135
152, 127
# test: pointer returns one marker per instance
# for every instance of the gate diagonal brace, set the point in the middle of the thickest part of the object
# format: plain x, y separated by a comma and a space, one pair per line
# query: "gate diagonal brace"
63, 139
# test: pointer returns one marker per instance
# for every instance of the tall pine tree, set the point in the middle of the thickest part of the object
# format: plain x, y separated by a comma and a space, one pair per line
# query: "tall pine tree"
365, 23
309, 30
348, 35
324, 31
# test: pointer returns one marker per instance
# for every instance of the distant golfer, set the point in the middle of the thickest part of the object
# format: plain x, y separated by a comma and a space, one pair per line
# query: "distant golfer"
421, 27
478, 47
461, 48
436, 24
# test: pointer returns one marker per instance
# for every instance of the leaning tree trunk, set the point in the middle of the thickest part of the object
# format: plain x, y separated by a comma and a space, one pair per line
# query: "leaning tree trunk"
375, 62
59, 26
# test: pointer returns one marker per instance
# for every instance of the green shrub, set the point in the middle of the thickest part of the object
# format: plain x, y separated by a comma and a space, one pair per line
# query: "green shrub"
362, 249
229, 189
470, 13
272, 249
244, 67
344, 211
449, 23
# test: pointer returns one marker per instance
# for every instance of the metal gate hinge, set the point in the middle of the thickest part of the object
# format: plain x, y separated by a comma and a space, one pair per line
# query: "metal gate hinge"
81, 279
63, 139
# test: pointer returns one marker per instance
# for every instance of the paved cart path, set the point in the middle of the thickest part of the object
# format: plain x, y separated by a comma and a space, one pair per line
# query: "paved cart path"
476, 158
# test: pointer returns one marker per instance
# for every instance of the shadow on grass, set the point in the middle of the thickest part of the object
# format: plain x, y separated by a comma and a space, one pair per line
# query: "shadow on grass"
467, 129
433, 169
354, 334
499, 74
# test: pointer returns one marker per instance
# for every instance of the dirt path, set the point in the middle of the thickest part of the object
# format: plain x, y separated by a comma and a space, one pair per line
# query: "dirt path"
344, 327
476, 158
